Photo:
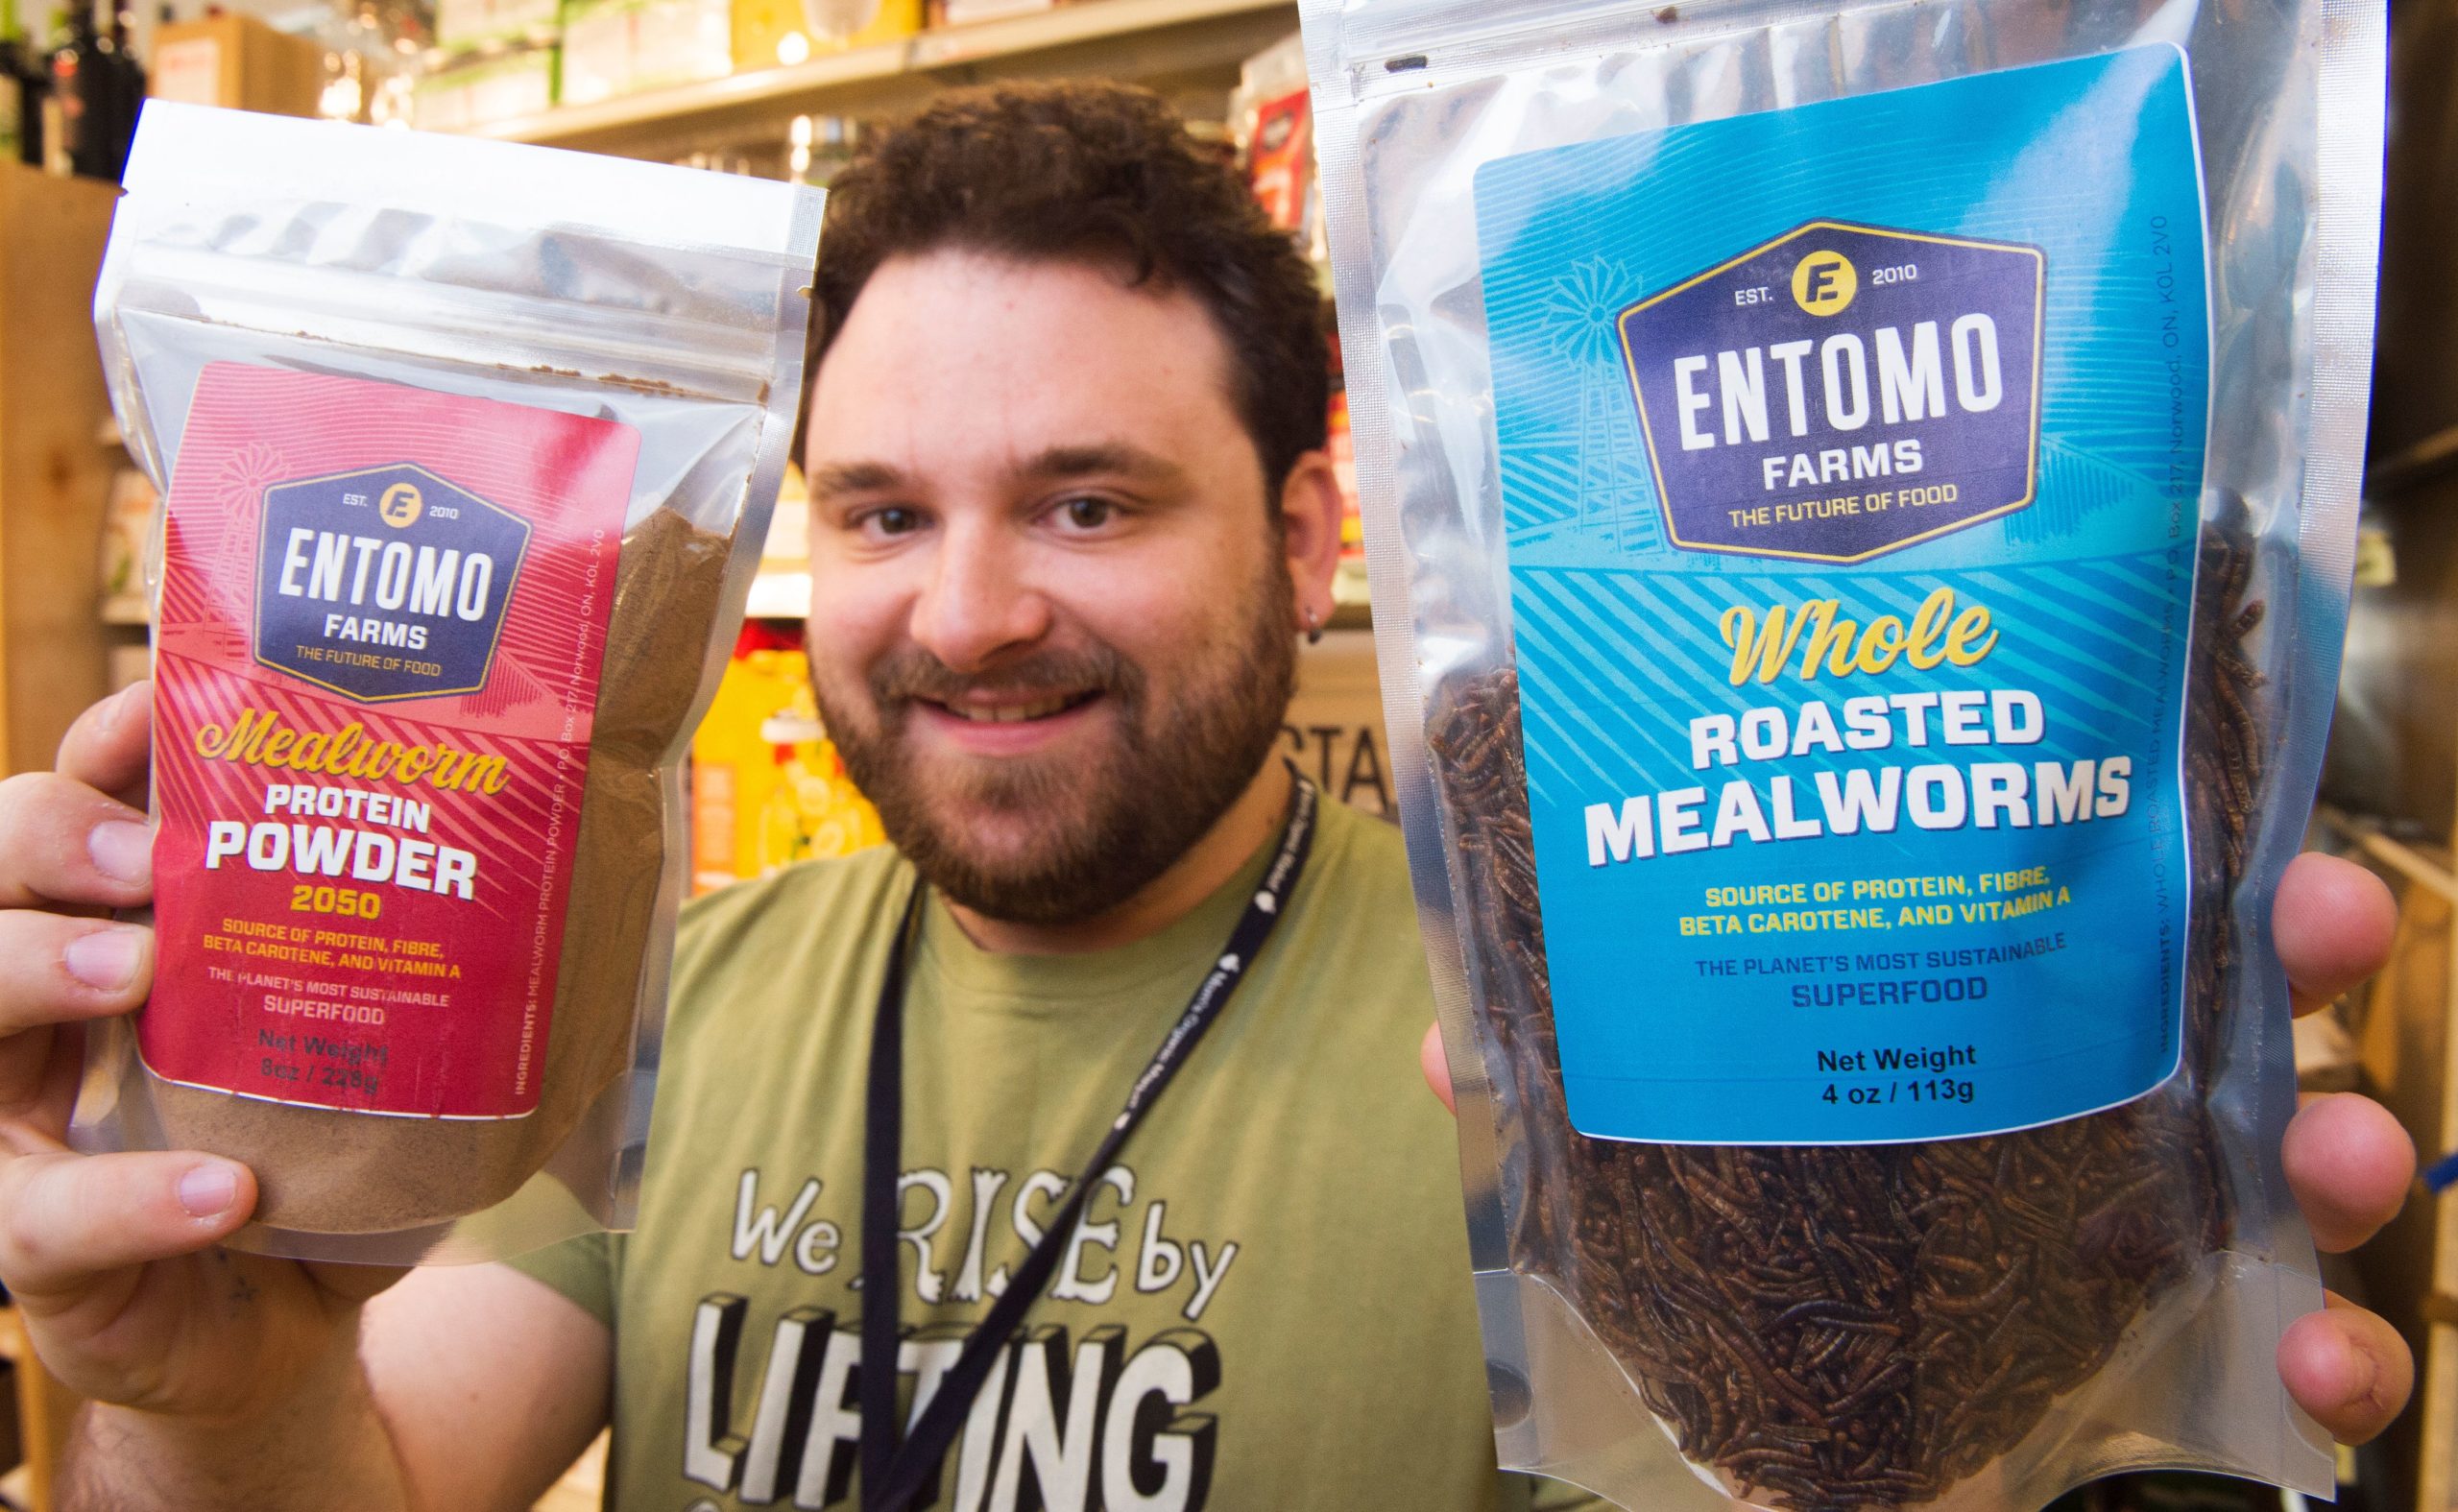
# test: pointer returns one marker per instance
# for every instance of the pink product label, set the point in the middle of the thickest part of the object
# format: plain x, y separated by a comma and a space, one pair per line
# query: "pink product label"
383, 612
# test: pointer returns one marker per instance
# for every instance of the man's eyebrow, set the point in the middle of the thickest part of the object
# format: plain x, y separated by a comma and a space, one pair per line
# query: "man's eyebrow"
1058, 463
853, 477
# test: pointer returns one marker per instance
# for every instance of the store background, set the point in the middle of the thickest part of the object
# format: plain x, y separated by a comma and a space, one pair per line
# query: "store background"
785, 88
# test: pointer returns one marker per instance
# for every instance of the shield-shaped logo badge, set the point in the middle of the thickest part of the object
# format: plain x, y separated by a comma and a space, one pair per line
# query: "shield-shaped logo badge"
384, 584
1841, 391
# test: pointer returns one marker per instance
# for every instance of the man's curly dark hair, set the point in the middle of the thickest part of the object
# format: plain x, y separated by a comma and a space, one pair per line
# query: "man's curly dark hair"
1093, 173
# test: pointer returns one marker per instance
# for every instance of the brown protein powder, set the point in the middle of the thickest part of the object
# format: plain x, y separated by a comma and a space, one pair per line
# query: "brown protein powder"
346, 1172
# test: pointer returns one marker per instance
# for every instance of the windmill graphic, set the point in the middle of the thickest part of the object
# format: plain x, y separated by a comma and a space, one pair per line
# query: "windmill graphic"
1612, 486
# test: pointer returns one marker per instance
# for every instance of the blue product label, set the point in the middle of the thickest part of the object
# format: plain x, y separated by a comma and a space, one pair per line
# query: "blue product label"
384, 584
1850, 461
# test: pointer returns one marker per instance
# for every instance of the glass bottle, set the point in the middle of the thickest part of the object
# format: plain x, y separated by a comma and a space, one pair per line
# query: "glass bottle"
12, 102
121, 91
30, 86
68, 112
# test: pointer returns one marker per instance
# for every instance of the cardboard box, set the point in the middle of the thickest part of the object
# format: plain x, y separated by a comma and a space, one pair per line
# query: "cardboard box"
483, 90
615, 47
239, 62
461, 24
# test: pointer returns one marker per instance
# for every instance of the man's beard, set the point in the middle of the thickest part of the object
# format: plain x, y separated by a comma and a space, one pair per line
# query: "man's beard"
1103, 827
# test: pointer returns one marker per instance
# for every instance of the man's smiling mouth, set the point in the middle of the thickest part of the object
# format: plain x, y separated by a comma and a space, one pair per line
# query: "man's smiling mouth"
1011, 714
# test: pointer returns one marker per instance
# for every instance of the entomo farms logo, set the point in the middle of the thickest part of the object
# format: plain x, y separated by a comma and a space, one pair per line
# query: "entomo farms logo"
1841, 391
384, 584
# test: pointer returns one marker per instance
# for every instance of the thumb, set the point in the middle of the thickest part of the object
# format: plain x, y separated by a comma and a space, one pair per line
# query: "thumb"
66, 1219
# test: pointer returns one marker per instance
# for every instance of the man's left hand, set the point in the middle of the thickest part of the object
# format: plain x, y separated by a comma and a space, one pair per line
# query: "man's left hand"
2349, 1161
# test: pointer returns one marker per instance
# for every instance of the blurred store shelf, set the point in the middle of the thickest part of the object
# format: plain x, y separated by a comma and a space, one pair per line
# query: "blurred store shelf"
1148, 41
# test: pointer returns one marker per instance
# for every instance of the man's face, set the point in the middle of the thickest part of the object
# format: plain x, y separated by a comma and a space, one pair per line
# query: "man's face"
1052, 627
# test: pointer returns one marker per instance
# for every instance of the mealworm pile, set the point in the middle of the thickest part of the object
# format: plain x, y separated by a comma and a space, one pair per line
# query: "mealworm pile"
1842, 1328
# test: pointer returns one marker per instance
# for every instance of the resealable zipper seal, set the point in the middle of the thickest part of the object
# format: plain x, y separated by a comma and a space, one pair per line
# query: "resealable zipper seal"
670, 301
1411, 97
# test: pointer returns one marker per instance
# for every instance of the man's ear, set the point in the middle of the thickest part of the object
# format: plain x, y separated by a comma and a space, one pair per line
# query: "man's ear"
1310, 521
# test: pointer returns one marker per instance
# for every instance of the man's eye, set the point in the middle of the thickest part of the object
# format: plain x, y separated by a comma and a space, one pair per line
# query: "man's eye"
1089, 514
894, 520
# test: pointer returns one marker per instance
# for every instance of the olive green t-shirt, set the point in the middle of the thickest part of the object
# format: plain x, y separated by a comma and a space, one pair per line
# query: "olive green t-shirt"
1266, 1306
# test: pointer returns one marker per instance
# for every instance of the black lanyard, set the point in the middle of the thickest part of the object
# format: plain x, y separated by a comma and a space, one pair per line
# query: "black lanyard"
894, 1469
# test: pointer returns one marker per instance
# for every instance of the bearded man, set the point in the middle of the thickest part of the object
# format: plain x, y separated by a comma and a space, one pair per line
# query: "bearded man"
1075, 1144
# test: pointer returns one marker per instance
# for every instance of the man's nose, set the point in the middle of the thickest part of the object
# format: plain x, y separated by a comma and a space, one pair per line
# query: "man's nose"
977, 603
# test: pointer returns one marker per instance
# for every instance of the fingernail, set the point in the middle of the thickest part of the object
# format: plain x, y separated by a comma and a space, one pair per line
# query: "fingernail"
207, 1191
104, 959
122, 848
2361, 1372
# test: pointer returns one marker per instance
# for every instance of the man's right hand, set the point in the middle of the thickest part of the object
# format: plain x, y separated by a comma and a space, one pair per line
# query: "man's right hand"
112, 1259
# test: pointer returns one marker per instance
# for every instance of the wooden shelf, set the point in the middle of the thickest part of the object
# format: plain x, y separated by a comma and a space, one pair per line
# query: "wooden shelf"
45, 1411
1150, 41
53, 477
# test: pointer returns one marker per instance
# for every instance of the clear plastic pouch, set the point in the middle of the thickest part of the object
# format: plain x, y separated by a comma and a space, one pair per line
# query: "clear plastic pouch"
1860, 500
466, 453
